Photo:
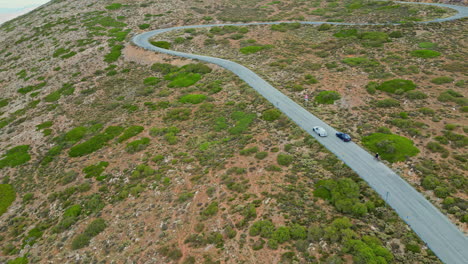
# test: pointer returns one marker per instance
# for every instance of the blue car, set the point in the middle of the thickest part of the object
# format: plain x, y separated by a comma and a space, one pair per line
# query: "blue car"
343, 136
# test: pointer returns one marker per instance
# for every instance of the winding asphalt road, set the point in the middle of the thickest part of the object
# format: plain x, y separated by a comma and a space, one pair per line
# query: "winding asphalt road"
435, 229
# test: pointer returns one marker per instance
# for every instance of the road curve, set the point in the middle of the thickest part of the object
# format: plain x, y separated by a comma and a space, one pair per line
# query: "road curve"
434, 228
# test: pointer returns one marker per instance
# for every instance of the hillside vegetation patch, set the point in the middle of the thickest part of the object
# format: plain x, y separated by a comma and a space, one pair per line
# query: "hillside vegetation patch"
390, 147
15, 156
7, 197
394, 85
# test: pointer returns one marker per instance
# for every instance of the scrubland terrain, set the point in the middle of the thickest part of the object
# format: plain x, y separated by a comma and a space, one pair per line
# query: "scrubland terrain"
112, 154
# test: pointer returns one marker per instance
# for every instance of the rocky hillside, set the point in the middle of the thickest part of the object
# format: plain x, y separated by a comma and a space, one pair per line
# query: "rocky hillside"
113, 154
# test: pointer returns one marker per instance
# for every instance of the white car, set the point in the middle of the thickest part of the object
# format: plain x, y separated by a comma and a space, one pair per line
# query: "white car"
320, 131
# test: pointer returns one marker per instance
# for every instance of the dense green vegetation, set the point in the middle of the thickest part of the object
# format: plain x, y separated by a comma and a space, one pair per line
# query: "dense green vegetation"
15, 156
396, 86
7, 197
390, 147
425, 54
254, 48
93, 229
95, 143
130, 132
327, 97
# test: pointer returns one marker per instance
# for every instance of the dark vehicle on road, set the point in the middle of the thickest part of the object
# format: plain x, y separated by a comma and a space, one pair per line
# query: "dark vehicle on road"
343, 136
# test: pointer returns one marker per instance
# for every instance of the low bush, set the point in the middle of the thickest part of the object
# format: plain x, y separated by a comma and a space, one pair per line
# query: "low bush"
211, 209
396, 84
249, 151
144, 26
93, 229
19, 260
243, 121
391, 147
7, 197
95, 170
95, 143
180, 114
15, 156
261, 155
327, 97
130, 132
389, 102
427, 45
283, 27
254, 49
442, 80
161, 44
114, 6
360, 61
271, 114
114, 54
137, 145
193, 98
151, 81
425, 54
182, 79
284, 159
415, 95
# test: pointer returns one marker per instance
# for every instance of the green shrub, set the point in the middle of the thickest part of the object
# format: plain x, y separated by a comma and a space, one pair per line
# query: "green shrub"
360, 61
373, 39
298, 232
31, 88
211, 210
95, 143
425, 54
284, 159
281, 234
346, 33
426, 111
271, 114
130, 132
114, 54
413, 247
151, 81
93, 229
324, 27
15, 156
7, 197
243, 121
390, 147
137, 145
95, 170
3, 102
427, 45
369, 250
248, 151
114, 6
144, 26
283, 27
193, 98
415, 95
254, 48
19, 260
442, 80
389, 102
261, 155
396, 84
182, 79
396, 34
264, 228
161, 44
178, 114
327, 97
164, 68
44, 125
76, 134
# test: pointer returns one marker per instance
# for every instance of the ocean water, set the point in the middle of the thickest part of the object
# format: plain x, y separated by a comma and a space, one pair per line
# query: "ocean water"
11, 9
